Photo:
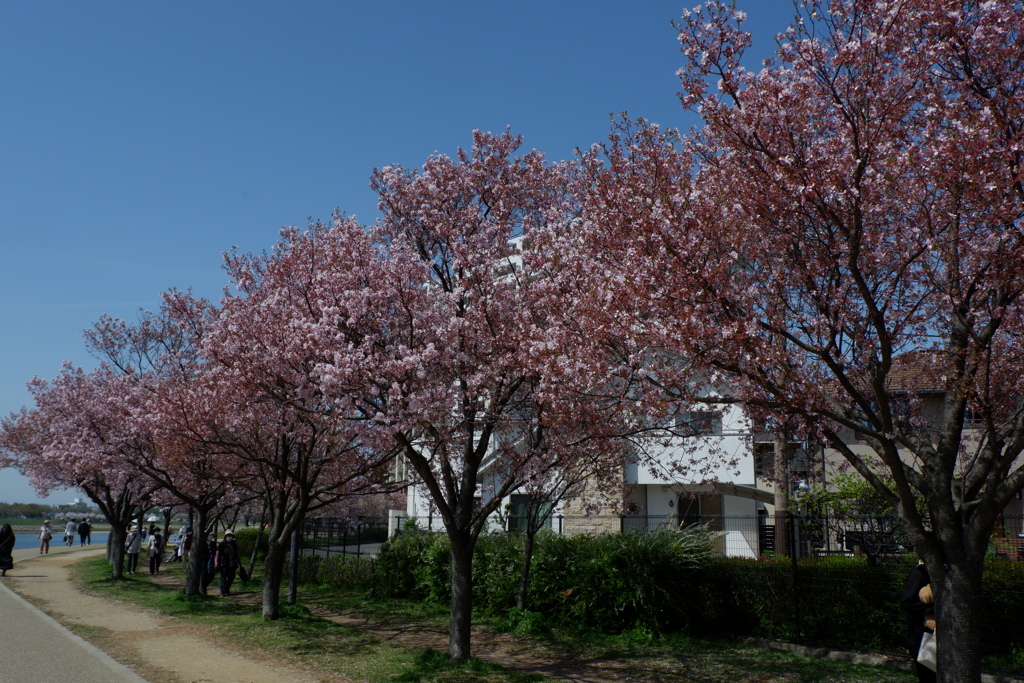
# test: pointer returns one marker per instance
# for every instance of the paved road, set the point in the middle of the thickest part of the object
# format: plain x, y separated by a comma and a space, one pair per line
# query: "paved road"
37, 649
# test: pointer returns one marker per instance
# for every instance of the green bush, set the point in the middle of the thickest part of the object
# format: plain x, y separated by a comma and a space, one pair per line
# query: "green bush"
666, 582
609, 583
309, 569
525, 622
837, 602
246, 540
614, 583
402, 564
353, 573
497, 565
338, 571
1002, 594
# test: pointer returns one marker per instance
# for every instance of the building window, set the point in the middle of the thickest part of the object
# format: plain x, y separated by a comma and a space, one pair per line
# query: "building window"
518, 510
699, 423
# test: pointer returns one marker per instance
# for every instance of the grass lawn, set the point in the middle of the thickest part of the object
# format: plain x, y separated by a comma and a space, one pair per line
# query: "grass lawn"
333, 648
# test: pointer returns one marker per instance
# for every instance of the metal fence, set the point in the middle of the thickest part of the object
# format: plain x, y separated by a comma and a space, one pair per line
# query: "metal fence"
792, 535
737, 536
355, 537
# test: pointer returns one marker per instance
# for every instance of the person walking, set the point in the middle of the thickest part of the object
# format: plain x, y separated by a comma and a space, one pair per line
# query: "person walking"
227, 563
69, 533
186, 544
84, 532
45, 534
6, 547
155, 551
132, 546
919, 602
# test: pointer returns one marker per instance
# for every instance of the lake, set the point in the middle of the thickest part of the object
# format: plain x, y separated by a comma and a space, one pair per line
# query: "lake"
32, 540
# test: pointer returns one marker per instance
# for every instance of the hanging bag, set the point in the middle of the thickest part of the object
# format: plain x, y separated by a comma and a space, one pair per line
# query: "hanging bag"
926, 653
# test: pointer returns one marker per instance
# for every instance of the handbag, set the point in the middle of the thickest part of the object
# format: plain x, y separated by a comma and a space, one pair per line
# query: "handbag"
242, 573
926, 653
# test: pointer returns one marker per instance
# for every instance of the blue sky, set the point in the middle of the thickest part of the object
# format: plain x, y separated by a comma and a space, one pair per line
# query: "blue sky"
143, 139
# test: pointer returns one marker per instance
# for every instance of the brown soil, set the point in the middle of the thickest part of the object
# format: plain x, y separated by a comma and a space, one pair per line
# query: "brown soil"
160, 649
167, 650
502, 649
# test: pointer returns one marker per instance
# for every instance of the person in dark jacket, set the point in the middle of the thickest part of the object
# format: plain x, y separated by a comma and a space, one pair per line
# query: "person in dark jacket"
6, 546
227, 563
918, 601
85, 532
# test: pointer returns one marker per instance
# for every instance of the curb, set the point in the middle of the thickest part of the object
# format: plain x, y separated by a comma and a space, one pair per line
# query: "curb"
99, 654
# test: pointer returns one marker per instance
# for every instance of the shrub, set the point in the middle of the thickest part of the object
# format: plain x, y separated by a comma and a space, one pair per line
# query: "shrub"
650, 583
497, 565
619, 582
309, 568
1002, 594
609, 583
402, 565
246, 539
353, 573
338, 571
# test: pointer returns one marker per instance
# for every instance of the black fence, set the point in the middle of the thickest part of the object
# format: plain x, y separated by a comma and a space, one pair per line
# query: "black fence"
761, 536
737, 536
356, 537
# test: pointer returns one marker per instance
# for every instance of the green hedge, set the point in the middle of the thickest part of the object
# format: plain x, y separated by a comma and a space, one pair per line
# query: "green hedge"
835, 602
339, 571
246, 539
665, 582
610, 583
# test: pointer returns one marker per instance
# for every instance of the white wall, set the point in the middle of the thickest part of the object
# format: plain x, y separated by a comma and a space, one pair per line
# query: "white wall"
704, 458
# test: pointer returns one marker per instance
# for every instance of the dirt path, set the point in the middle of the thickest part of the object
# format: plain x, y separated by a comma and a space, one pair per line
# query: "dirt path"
160, 649
167, 650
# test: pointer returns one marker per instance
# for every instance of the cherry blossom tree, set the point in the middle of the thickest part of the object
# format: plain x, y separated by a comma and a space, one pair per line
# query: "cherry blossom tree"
78, 436
158, 355
466, 355
297, 449
434, 335
841, 245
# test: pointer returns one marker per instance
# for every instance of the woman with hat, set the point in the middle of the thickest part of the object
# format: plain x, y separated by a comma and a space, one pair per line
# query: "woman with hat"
132, 546
227, 563
155, 551
45, 534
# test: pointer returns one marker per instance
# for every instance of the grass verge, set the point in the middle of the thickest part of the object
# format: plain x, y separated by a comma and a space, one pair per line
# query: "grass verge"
297, 638
332, 649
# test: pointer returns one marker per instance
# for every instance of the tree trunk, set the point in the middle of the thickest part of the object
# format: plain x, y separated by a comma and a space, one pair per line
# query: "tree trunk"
524, 576
958, 622
197, 555
115, 545
462, 596
277, 552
